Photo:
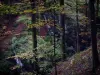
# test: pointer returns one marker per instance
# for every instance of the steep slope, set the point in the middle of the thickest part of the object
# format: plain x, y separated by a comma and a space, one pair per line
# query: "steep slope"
78, 64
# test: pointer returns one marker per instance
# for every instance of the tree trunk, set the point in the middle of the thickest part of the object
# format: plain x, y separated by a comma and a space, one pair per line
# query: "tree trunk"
77, 42
86, 14
34, 30
93, 35
63, 29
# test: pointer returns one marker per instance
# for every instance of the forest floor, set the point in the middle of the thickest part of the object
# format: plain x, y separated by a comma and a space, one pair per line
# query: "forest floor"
78, 64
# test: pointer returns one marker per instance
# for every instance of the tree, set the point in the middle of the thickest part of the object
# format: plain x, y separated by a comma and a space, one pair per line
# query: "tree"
34, 35
93, 34
77, 21
63, 28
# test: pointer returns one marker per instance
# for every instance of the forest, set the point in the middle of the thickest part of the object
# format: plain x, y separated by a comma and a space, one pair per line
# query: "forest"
49, 37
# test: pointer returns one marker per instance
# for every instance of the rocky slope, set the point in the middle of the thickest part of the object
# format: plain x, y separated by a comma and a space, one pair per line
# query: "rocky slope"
78, 64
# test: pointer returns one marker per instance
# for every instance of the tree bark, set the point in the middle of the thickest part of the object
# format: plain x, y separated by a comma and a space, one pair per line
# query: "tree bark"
93, 35
77, 29
55, 45
63, 29
34, 36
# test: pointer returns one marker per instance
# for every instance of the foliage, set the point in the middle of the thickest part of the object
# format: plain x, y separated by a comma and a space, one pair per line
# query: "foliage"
6, 9
27, 73
5, 66
22, 47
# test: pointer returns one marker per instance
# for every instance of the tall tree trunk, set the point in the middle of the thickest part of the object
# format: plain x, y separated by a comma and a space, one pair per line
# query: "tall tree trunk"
34, 31
55, 41
77, 20
86, 13
63, 29
93, 35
